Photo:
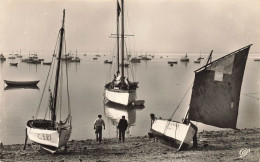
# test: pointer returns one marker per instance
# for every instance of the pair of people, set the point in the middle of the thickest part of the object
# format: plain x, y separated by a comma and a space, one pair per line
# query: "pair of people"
99, 123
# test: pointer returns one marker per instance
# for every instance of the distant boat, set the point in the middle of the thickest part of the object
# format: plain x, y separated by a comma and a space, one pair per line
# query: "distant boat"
257, 59
21, 83
135, 60
185, 58
35, 61
46, 63
214, 101
161, 57
11, 56
2, 57
85, 54
197, 61
108, 62
52, 131
76, 59
94, 58
20, 55
145, 58
172, 62
13, 64
41, 59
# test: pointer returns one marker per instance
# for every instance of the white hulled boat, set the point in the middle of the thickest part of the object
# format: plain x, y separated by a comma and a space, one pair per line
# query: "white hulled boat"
52, 134
214, 101
120, 89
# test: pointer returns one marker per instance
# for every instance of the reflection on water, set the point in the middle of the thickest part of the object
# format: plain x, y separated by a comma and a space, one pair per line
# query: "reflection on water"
160, 85
114, 113
21, 87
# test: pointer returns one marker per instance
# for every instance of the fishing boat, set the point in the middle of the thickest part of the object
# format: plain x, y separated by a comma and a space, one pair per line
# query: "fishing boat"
53, 133
13, 63
2, 57
46, 63
11, 56
145, 58
108, 62
76, 59
197, 61
185, 58
214, 101
120, 90
172, 62
257, 59
135, 60
21, 83
94, 58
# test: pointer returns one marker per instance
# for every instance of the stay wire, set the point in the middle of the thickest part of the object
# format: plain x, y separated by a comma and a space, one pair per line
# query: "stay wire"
38, 109
181, 100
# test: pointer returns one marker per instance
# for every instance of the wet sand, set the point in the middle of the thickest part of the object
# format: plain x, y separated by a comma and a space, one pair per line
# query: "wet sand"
229, 145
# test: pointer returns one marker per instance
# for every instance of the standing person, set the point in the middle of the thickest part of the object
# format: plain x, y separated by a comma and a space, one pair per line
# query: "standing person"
122, 125
99, 122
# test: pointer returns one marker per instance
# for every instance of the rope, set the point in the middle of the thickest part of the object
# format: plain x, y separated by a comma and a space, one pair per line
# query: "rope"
181, 100
46, 81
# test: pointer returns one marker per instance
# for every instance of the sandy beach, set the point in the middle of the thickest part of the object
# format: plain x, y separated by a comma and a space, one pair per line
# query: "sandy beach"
229, 145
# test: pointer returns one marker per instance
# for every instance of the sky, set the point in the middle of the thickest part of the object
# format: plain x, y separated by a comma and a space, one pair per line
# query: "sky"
172, 26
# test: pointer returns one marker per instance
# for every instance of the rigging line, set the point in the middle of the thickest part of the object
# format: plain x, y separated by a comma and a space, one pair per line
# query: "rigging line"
38, 109
51, 67
181, 100
60, 87
36, 115
67, 81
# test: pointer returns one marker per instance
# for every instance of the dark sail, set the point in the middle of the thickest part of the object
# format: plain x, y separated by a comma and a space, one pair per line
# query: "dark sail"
216, 90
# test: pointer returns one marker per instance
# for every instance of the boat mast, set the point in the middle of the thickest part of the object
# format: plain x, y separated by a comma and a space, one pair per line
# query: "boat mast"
117, 34
122, 40
53, 118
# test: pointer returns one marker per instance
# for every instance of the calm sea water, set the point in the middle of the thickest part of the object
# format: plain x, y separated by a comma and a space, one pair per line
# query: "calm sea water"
160, 85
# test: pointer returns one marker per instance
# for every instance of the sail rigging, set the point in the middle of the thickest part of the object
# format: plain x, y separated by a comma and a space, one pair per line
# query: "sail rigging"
216, 90
120, 89
51, 134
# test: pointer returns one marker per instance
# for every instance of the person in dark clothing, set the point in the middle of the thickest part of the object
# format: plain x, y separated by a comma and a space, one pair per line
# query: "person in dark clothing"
122, 126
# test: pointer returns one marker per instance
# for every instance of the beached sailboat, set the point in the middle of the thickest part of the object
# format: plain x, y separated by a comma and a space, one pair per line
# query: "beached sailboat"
51, 134
214, 100
120, 89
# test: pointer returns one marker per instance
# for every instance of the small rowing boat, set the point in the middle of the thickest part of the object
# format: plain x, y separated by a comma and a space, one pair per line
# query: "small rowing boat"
21, 83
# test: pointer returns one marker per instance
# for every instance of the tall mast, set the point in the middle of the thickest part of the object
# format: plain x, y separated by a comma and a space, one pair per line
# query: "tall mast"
53, 118
117, 34
122, 39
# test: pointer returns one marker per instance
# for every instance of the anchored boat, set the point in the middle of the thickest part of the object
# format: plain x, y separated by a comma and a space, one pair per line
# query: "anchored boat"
120, 90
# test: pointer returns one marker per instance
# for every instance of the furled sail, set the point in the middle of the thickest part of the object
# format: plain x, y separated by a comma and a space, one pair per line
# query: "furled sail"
216, 90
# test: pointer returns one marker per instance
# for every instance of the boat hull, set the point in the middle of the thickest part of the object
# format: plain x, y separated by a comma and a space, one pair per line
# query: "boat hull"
177, 135
119, 96
50, 140
21, 83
